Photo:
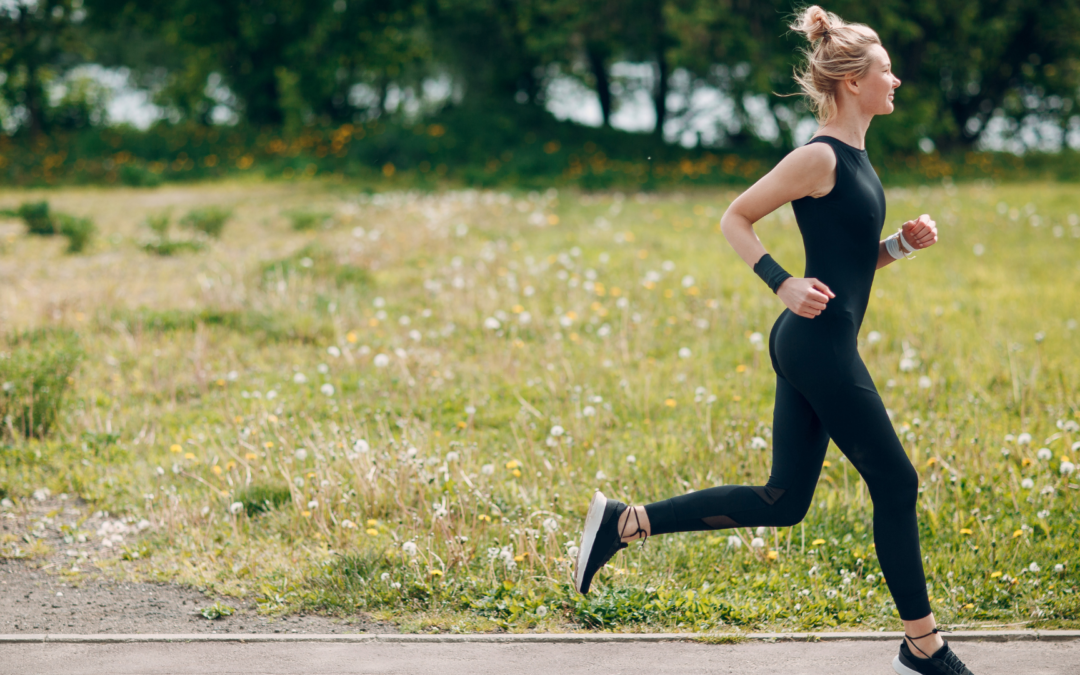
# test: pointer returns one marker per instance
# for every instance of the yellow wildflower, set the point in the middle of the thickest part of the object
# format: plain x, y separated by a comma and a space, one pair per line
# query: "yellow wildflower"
175, 447
372, 531
671, 403
817, 542
250, 456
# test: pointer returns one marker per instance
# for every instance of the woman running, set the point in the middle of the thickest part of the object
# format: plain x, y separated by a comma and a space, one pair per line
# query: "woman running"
823, 389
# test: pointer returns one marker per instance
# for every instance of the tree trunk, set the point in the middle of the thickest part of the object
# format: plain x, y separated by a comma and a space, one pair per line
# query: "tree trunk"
660, 91
603, 84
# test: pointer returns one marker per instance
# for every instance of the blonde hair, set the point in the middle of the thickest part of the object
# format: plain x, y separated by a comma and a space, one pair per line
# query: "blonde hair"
838, 51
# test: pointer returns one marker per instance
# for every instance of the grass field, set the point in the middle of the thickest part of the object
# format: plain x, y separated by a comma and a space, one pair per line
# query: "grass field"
403, 407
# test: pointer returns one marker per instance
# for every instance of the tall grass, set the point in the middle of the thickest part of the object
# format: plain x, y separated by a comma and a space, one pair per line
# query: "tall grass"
451, 375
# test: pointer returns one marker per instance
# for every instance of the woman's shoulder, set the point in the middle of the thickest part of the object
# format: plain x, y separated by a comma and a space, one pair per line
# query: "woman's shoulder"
811, 158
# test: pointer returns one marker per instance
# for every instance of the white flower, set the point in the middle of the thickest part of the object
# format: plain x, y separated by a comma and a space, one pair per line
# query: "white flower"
870, 593
757, 542
395, 584
588, 411
327, 389
1043, 514
313, 504
299, 378
452, 456
830, 594
348, 524
550, 524
1076, 446
1044, 454
300, 455
1034, 567
236, 507
415, 335
323, 368
470, 410
757, 339
333, 351
360, 445
631, 459
524, 318
409, 549
1048, 490
600, 475
687, 281
1071, 426
907, 365
557, 431
1059, 568
491, 323
685, 353
760, 531
1067, 468
734, 541
813, 571
870, 578
925, 382
381, 360
487, 469
1027, 483
873, 337
384, 576
573, 551
1024, 438
41, 494
758, 443
1009, 438
541, 611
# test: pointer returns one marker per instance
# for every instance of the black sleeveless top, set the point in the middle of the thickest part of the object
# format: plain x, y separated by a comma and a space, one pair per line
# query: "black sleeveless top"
841, 232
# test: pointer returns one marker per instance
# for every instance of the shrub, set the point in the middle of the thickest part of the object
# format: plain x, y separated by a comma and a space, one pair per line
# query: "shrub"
37, 218
261, 498
78, 231
35, 368
307, 220
161, 244
210, 220
137, 176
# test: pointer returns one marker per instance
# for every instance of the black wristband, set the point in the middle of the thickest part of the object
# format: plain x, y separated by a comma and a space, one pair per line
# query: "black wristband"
770, 272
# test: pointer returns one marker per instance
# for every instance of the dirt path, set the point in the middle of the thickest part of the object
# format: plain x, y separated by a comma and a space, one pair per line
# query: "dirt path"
50, 583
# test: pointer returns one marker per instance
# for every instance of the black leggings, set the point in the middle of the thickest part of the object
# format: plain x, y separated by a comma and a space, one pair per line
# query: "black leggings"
823, 391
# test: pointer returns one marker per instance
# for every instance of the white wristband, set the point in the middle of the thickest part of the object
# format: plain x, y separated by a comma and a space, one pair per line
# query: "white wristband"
892, 246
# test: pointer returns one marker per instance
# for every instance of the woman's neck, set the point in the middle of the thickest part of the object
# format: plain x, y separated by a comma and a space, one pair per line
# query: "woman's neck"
849, 128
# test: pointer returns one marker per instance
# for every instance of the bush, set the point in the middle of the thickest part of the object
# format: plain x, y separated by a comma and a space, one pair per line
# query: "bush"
260, 498
37, 218
161, 244
137, 176
78, 231
307, 220
35, 371
210, 220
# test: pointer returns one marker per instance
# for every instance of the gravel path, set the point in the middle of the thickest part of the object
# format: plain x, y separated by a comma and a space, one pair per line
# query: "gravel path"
61, 591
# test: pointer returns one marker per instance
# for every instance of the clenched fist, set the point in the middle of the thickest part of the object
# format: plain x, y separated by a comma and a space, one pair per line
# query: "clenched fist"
805, 297
920, 233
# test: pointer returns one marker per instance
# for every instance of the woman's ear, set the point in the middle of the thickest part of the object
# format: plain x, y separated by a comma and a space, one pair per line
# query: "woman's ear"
852, 85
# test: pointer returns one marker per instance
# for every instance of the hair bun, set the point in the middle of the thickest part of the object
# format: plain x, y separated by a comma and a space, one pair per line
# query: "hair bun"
815, 23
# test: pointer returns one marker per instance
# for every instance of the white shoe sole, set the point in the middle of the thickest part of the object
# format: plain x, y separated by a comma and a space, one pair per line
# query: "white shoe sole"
588, 536
901, 668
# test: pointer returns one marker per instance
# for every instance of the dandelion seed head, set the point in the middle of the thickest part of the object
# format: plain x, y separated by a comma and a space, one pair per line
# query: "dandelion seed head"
236, 507
734, 541
551, 525
685, 353
1023, 439
757, 542
1044, 454
322, 368
1059, 568
487, 469
333, 350
409, 548
557, 431
491, 323
541, 611
313, 504
600, 475
631, 459
327, 389
452, 456
360, 445
1067, 468
758, 443
381, 360
1027, 483
300, 455
873, 337
925, 382
299, 378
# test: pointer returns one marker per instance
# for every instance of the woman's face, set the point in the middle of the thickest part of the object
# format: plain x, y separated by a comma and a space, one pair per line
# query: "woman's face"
876, 87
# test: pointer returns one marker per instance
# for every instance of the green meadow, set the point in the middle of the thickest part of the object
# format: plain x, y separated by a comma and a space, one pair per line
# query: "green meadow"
400, 403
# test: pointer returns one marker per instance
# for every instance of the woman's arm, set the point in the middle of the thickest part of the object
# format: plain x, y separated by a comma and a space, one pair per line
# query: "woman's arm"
807, 171
920, 233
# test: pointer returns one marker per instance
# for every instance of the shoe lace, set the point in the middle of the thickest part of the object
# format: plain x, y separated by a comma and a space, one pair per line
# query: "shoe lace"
637, 524
950, 659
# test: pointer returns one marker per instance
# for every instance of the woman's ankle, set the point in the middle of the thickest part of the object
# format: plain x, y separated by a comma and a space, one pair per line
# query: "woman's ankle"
633, 524
925, 647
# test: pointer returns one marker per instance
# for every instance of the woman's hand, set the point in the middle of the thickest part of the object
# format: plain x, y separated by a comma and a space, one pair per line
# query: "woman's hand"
920, 233
805, 297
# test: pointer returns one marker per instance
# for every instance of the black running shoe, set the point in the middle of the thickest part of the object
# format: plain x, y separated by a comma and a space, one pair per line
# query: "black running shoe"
600, 539
943, 662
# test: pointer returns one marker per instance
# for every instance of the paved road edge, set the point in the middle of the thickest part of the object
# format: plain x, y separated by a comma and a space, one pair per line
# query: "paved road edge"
958, 636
